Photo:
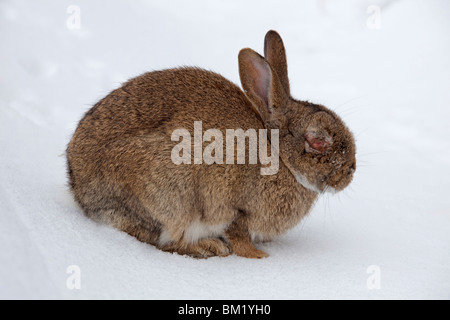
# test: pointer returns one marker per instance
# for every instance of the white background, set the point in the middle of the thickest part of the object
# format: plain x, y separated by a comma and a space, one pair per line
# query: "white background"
390, 85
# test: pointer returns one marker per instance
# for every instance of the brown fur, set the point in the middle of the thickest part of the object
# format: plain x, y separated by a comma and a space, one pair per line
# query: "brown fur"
121, 172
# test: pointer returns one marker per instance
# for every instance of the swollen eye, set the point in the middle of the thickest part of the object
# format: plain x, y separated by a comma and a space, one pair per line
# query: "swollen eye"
318, 143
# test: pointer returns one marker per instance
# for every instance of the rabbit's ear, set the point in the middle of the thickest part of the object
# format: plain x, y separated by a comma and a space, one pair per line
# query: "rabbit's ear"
275, 54
261, 84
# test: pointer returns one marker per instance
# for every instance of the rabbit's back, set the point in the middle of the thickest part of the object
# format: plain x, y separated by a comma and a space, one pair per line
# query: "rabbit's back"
119, 159
162, 101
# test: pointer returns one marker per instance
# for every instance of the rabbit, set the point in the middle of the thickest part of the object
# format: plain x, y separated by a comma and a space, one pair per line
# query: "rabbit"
121, 172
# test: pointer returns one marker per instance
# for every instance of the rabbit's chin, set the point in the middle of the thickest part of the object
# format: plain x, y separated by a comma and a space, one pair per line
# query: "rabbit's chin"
305, 183
312, 187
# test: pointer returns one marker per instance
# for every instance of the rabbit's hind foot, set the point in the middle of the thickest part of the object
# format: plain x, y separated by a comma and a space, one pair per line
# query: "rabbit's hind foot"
204, 248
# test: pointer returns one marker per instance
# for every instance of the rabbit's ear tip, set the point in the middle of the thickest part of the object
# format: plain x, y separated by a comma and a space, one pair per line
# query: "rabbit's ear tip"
272, 32
247, 52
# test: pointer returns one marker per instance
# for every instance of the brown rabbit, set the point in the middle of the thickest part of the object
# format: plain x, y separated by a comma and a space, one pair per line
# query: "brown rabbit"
121, 171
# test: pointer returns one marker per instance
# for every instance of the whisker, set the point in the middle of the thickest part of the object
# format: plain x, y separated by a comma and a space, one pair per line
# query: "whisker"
352, 111
362, 132
366, 154
348, 101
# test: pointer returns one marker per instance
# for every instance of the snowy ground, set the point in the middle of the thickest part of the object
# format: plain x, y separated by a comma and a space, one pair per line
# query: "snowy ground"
391, 86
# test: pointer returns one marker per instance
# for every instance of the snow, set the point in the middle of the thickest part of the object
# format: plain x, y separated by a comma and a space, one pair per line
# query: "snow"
391, 86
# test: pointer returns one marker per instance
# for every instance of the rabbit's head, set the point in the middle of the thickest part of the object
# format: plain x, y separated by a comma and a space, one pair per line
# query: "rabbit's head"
314, 144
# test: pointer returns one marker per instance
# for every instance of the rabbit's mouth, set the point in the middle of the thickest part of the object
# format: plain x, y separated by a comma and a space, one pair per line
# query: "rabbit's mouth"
332, 184
340, 178
315, 187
